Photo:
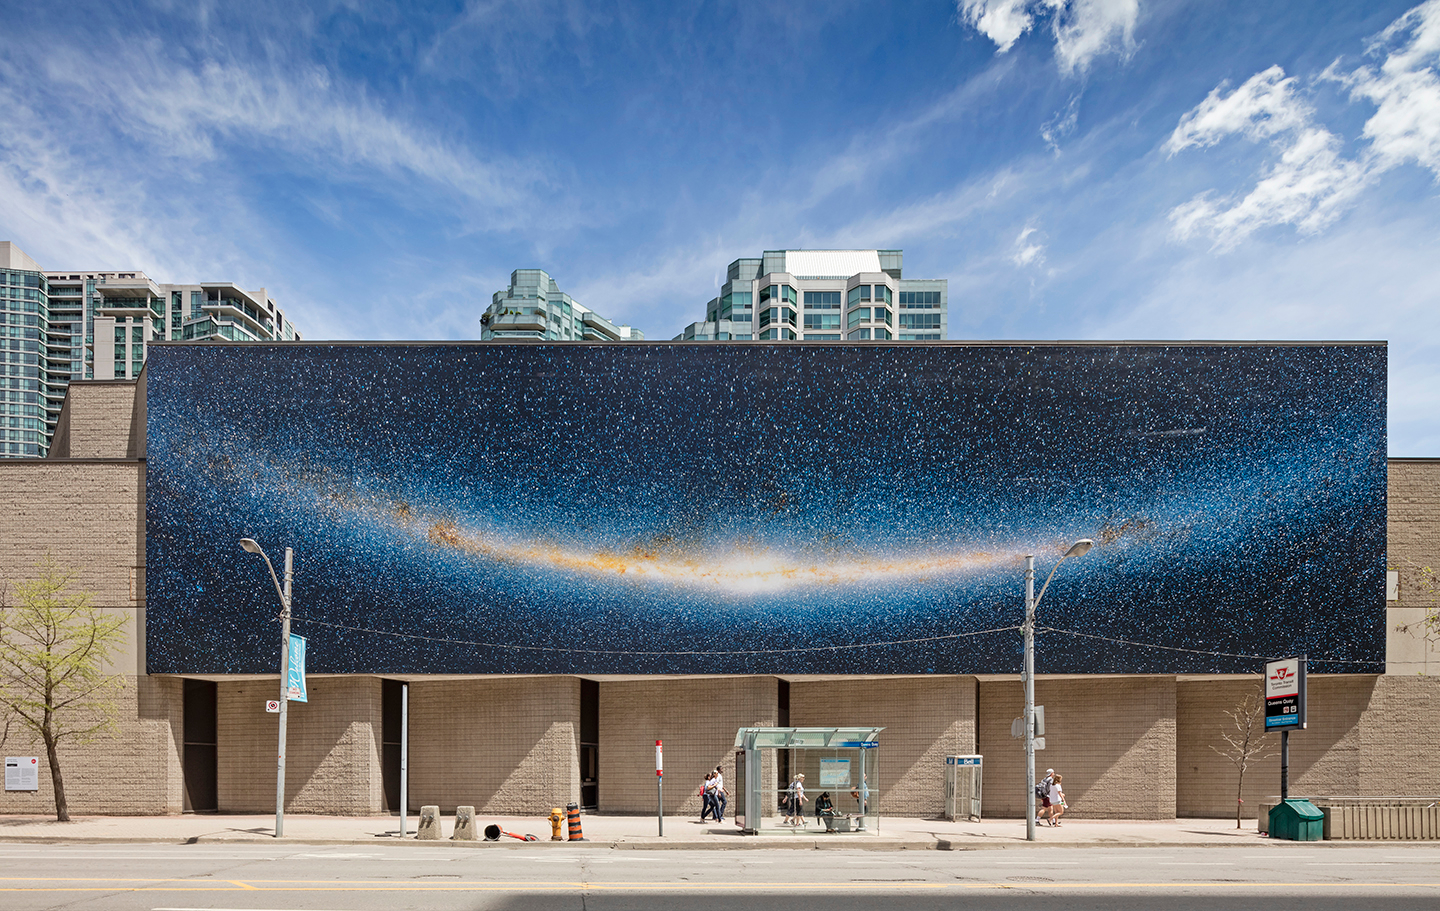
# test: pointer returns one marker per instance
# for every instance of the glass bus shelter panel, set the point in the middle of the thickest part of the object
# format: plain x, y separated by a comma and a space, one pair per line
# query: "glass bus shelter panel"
842, 763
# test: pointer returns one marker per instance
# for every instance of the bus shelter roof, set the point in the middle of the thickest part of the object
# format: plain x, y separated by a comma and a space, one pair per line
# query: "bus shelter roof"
807, 738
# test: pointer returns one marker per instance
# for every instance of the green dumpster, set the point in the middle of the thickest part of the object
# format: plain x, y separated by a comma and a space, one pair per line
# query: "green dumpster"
1297, 820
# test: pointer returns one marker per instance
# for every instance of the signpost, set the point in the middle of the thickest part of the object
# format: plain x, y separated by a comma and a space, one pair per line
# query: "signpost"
660, 785
1285, 708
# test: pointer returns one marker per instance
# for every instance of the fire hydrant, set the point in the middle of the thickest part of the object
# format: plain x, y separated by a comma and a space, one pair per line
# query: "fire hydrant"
557, 819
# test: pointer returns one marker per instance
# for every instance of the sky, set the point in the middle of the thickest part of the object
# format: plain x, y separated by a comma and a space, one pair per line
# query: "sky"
1077, 169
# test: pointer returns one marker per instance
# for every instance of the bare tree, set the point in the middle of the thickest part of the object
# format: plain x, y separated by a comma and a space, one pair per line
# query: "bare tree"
53, 647
1245, 740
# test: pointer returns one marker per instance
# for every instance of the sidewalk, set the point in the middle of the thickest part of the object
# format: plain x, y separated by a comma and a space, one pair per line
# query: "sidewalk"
626, 832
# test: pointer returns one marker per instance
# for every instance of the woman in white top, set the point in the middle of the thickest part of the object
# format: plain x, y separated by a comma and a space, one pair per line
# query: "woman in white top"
1057, 801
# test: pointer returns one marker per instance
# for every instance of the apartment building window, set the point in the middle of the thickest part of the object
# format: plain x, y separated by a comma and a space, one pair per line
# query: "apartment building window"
882, 293
822, 300
860, 335
782, 293
918, 321
919, 299
857, 317
822, 320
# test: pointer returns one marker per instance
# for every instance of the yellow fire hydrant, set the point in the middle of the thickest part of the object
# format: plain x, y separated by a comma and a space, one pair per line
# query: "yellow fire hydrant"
557, 819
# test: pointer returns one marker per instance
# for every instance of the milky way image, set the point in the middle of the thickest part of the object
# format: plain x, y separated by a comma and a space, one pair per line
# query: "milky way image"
760, 508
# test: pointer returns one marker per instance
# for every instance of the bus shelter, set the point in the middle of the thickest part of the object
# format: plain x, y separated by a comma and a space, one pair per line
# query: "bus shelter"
840, 763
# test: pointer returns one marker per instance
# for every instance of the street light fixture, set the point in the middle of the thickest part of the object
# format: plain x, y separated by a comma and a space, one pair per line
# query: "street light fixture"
1032, 601
251, 547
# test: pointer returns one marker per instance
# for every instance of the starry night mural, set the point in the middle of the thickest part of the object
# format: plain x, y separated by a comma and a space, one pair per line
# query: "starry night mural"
759, 508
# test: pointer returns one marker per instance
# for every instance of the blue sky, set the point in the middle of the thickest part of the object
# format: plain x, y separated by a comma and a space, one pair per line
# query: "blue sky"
1078, 169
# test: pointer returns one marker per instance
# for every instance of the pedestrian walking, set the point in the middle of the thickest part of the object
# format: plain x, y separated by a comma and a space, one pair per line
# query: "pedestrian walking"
1042, 796
707, 796
1057, 801
795, 809
722, 796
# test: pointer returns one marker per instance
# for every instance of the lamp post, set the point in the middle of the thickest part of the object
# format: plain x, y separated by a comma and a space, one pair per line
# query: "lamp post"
251, 547
1032, 601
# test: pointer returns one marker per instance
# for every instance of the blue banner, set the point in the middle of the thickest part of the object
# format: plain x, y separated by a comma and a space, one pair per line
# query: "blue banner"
296, 689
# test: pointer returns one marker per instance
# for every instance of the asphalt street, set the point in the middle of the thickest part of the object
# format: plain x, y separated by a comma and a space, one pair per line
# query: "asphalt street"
1318, 876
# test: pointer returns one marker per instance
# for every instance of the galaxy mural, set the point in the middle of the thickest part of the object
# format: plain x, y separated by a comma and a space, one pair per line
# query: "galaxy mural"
761, 508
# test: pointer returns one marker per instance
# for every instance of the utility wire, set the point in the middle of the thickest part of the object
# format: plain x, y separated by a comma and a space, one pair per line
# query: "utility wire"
699, 652
1191, 651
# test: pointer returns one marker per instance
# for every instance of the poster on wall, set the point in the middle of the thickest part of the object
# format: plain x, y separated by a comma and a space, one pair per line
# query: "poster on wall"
22, 773
746, 508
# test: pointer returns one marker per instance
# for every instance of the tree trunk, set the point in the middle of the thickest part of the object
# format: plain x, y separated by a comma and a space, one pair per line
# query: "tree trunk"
1239, 796
62, 809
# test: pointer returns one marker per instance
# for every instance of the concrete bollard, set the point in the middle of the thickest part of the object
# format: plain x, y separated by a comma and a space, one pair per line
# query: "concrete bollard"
464, 824
429, 826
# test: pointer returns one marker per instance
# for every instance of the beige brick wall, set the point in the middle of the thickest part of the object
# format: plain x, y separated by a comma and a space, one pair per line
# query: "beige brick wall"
332, 757
1367, 736
504, 745
134, 771
1399, 733
89, 516
96, 420
1414, 543
697, 717
1112, 738
925, 720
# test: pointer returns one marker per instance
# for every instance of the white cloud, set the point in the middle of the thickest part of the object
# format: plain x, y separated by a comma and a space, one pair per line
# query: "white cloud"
1062, 124
1028, 252
1083, 29
1312, 182
1265, 105
1002, 21
1308, 187
187, 112
1405, 90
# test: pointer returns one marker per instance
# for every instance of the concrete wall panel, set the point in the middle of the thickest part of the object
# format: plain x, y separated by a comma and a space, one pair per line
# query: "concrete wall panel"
504, 745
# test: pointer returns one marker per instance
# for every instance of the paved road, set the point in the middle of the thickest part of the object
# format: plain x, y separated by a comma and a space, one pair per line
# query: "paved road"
1315, 877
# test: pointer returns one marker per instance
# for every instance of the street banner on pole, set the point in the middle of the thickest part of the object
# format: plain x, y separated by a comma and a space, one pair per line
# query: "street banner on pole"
296, 691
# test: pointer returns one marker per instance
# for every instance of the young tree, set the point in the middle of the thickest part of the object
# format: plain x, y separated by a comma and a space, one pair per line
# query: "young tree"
1245, 740
53, 646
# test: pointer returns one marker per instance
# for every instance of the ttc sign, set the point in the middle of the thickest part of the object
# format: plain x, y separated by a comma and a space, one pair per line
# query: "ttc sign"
1285, 694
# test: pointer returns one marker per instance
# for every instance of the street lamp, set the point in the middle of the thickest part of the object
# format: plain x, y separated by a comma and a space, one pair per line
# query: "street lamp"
251, 547
1032, 601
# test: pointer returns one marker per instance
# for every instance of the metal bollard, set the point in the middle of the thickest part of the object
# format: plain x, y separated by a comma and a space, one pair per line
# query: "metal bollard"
429, 827
572, 810
557, 816
464, 824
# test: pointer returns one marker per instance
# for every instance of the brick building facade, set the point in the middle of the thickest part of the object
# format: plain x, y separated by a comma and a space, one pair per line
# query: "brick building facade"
1131, 746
